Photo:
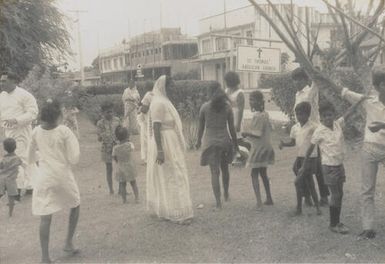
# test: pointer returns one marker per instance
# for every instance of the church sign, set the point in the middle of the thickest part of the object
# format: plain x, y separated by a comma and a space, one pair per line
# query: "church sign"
256, 59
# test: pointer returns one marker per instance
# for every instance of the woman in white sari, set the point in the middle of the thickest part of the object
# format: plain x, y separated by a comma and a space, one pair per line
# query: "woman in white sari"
168, 189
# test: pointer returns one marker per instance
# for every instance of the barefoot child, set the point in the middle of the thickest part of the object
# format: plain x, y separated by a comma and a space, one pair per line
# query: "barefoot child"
330, 139
9, 168
261, 154
55, 186
106, 135
300, 136
125, 170
216, 120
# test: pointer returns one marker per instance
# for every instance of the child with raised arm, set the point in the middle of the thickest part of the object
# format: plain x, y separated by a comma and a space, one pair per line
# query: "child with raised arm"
9, 168
261, 153
125, 170
55, 187
106, 135
330, 139
300, 136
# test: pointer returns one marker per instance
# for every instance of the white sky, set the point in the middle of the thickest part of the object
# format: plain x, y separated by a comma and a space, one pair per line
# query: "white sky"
105, 23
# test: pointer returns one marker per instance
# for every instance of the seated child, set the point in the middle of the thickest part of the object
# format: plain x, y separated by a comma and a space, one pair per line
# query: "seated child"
9, 168
300, 136
125, 170
330, 139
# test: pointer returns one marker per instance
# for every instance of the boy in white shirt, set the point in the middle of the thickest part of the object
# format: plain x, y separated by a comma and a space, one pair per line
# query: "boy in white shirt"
307, 91
330, 139
300, 136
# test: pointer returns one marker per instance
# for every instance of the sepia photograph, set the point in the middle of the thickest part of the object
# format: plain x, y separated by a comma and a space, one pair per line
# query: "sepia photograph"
192, 131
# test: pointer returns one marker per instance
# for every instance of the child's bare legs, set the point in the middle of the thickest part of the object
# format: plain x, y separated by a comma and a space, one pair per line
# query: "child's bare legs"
266, 183
109, 176
123, 191
225, 179
135, 190
11, 204
73, 221
45, 226
215, 184
255, 181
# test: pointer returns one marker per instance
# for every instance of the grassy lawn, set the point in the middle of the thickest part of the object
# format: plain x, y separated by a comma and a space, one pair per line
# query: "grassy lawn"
109, 231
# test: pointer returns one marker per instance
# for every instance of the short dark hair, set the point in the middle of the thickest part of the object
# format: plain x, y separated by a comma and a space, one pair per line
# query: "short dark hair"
299, 73
9, 145
378, 76
326, 107
257, 95
11, 76
121, 133
51, 111
107, 105
303, 107
232, 79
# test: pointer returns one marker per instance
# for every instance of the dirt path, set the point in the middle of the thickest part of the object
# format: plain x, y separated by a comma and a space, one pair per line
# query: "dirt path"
109, 231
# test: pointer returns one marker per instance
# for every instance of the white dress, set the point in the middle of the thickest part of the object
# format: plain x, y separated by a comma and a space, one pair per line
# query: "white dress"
55, 187
168, 188
144, 123
233, 96
22, 106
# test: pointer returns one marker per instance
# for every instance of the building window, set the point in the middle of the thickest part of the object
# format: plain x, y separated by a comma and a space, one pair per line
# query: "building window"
121, 62
147, 52
221, 43
206, 46
115, 63
249, 34
237, 41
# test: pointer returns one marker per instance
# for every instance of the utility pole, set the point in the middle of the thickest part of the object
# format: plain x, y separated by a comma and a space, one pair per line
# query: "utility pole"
77, 12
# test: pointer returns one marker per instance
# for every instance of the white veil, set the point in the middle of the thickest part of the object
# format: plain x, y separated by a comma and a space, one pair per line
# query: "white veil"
160, 96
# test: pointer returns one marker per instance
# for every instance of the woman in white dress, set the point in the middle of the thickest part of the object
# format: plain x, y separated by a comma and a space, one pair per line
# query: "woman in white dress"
237, 99
131, 99
168, 188
55, 187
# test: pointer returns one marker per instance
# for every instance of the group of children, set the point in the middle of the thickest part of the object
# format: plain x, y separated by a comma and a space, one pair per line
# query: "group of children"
55, 187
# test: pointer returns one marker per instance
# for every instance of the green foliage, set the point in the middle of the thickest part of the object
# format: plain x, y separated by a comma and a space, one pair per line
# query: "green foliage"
187, 96
190, 75
31, 32
284, 90
43, 86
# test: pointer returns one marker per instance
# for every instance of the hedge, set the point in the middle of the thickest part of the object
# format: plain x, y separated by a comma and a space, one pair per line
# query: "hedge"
187, 96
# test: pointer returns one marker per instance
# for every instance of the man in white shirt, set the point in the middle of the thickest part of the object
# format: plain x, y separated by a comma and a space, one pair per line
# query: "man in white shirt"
18, 108
373, 150
307, 91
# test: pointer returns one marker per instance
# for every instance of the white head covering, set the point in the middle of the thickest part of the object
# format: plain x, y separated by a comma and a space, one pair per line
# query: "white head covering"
160, 96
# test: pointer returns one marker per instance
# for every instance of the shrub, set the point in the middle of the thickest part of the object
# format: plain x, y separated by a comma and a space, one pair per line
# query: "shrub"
283, 94
187, 96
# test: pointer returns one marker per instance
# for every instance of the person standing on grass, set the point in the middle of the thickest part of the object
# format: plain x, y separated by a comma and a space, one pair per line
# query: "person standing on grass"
144, 123
373, 149
237, 99
69, 117
131, 99
18, 109
216, 120
9, 168
330, 139
106, 135
55, 187
125, 170
261, 154
307, 91
300, 136
168, 188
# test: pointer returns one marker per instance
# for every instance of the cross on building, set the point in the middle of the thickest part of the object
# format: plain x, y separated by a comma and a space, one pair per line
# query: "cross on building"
259, 52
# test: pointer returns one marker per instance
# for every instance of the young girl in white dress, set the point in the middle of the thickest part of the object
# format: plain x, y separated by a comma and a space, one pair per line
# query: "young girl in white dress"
55, 187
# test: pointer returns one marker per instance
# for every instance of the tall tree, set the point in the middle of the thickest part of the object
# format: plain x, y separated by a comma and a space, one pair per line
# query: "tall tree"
32, 32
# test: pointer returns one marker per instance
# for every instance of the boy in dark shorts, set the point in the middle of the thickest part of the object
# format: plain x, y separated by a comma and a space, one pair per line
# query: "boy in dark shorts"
300, 136
330, 139
9, 168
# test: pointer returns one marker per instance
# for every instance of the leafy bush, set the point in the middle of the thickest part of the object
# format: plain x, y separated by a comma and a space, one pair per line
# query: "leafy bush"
187, 96
43, 85
283, 94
